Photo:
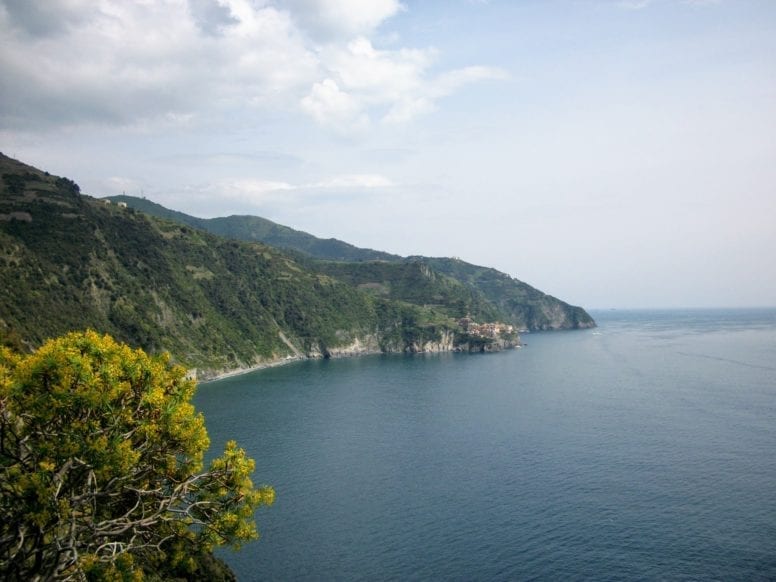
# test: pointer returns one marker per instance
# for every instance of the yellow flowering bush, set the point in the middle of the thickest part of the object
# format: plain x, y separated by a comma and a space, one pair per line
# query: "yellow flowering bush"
101, 466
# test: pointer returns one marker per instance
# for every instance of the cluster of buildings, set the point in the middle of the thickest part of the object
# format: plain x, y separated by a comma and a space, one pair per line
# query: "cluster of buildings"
491, 330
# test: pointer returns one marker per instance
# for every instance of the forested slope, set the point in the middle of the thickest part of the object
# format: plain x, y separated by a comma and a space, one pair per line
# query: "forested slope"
493, 294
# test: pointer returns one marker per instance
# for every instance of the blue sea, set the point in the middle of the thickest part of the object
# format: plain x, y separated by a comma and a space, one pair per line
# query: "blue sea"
644, 449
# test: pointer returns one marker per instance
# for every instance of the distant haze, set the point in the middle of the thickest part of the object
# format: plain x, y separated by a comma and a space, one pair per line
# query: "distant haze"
613, 153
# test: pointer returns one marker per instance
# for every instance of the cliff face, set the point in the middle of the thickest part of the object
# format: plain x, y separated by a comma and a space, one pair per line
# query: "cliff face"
558, 315
445, 343
496, 345
367, 345
359, 346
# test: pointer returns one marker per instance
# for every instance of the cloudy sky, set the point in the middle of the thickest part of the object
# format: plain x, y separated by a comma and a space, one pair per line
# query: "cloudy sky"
614, 153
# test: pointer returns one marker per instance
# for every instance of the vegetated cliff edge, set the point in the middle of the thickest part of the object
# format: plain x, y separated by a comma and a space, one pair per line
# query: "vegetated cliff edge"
518, 302
508, 298
69, 261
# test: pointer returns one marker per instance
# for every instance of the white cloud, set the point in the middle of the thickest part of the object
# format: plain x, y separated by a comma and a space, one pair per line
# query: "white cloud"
378, 73
232, 195
255, 189
392, 84
329, 105
125, 62
337, 19
118, 63
423, 100
249, 192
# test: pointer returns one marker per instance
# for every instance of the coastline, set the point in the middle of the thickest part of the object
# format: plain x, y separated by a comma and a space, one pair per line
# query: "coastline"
352, 353
248, 369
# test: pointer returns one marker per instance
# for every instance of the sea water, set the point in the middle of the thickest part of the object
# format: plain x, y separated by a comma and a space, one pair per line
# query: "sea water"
642, 449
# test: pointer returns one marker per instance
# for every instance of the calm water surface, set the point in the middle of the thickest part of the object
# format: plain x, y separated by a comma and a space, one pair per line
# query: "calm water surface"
644, 449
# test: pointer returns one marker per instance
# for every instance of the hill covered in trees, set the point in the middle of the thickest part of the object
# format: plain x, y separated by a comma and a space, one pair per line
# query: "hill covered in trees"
164, 283
257, 229
491, 293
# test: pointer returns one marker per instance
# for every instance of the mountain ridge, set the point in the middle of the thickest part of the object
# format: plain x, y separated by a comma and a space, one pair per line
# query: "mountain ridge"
257, 229
516, 301
71, 262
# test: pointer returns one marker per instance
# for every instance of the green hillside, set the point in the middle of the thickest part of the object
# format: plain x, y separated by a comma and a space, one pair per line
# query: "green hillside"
69, 262
518, 302
414, 282
257, 229
482, 291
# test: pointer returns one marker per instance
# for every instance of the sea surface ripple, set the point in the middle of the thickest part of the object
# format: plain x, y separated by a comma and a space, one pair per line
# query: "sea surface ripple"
644, 449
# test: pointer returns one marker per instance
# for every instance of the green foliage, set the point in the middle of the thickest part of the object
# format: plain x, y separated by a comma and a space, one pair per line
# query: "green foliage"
257, 229
14, 183
490, 295
101, 458
68, 261
213, 303
518, 302
414, 282
68, 185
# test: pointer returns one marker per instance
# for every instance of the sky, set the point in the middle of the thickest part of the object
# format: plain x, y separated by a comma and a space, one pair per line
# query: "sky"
612, 153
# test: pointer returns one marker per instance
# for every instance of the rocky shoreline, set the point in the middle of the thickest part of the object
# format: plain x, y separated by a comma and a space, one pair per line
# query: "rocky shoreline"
367, 346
